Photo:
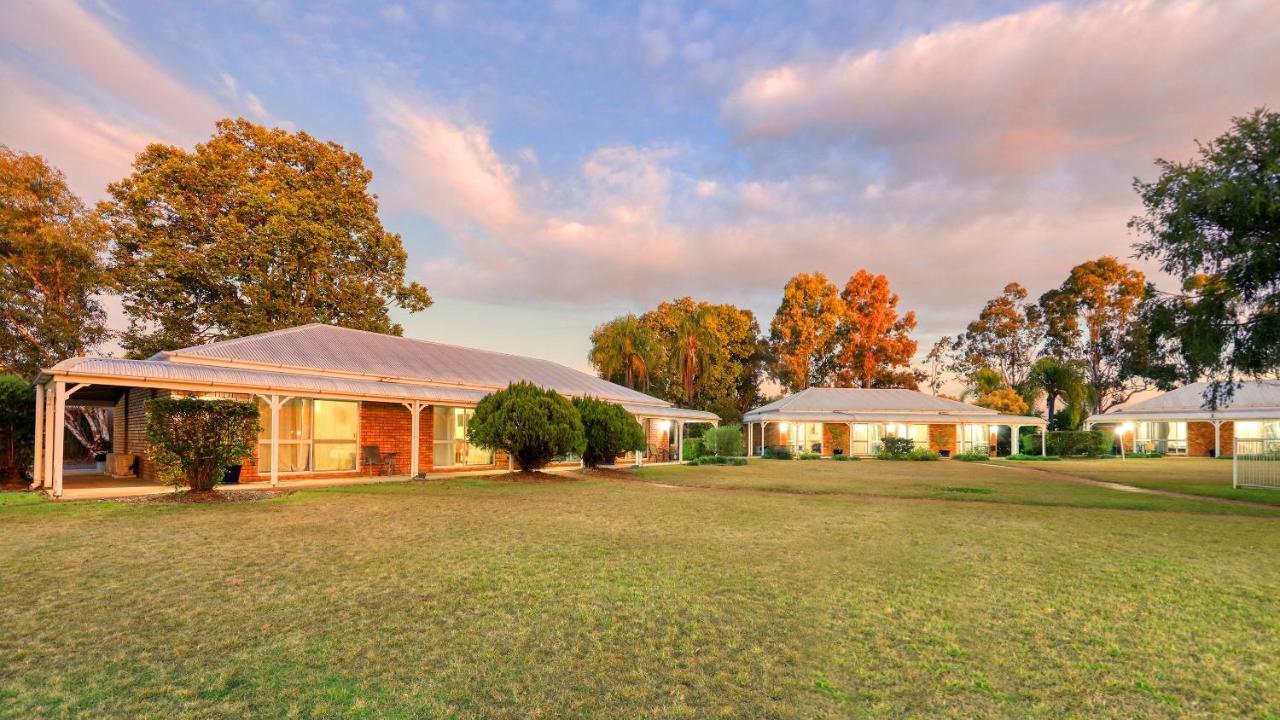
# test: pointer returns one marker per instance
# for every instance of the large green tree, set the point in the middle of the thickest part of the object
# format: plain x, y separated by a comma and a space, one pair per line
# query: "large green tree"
713, 350
1058, 380
803, 337
626, 351
1214, 222
51, 268
254, 230
1092, 318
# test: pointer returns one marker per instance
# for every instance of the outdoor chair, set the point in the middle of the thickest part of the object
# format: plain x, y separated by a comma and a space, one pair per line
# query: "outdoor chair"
373, 457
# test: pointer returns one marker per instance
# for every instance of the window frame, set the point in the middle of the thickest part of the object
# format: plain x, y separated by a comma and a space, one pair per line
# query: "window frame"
263, 457
450, 445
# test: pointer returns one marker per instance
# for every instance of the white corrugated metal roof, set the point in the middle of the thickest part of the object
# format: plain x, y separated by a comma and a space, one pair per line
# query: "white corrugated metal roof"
878, 405
333, 349
322, 359
261, 380
1253, 399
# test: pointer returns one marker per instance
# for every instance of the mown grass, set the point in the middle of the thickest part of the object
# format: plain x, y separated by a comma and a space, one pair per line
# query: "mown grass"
1195, 476
1006, 482
479, 599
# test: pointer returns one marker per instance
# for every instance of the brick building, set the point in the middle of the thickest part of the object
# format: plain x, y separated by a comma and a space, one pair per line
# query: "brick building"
854, 421
333, 401
1178, 423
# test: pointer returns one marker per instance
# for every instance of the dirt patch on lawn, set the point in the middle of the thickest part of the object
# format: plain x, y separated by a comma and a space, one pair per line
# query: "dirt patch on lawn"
624, 476
537, 477
211, 497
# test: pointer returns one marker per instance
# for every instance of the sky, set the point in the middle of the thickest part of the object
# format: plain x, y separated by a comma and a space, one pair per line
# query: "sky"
550, 166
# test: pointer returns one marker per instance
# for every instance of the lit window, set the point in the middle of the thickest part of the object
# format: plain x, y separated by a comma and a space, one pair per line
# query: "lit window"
315, 435
449, 433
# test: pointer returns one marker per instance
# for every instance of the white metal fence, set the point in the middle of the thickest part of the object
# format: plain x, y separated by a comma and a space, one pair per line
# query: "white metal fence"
1256, 463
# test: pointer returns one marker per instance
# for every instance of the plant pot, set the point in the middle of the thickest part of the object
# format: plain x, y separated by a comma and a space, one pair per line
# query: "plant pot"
101, 465
232, 475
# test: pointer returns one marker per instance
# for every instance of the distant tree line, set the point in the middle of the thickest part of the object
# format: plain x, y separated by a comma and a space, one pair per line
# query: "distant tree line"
1082, 348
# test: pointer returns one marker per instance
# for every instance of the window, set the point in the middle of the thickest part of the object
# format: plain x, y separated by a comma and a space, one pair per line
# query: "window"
975, 439
1163, 437
805, 436
449, 433
1258, 429
315, 435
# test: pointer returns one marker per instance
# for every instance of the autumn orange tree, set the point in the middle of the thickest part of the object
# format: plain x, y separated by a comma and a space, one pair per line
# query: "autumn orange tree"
51, 268
1089, 319
875, 342
803, 337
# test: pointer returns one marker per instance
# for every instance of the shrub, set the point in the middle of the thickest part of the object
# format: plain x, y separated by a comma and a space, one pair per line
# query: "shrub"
924, 454
895, 448
809, 456
1146, 455
723, 440
693, 448
718, 460
845, 458
609, 431
971, 457
1079, 443
530, 424
192, 441
17, 426
777, 452
1033, 458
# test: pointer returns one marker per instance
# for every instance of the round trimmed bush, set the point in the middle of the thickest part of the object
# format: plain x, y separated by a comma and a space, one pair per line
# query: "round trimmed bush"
609, 431
531, 424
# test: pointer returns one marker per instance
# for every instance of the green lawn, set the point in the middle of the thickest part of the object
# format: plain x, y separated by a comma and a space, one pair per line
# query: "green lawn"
1196, 476
1001, 482
478, 599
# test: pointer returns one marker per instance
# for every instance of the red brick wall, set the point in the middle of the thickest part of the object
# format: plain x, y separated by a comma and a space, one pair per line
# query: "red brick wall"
942, 437
659, 441
1200, 439
129, 427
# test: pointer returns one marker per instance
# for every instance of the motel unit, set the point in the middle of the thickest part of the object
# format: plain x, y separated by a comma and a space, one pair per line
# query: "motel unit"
335, 403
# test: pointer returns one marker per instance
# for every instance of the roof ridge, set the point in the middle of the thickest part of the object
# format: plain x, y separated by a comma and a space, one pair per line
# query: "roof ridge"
231, 341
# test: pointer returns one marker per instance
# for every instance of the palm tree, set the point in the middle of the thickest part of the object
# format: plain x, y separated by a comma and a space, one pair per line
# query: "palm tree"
694, 341
624, 347
1058, 379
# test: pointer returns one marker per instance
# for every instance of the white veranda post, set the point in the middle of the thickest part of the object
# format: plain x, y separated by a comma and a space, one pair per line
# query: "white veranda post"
644, 425
415, 411
47, 480
275, 402
750, 437
1217, 438
680, 440
849, 450
1013, 439
58, 439
38, 478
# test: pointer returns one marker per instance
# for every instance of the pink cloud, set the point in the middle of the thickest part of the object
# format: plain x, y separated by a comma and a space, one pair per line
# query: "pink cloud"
1028, 91
91, 102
